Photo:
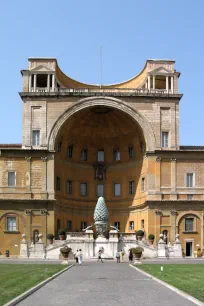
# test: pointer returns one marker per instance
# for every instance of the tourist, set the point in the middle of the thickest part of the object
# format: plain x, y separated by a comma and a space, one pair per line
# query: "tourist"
130, 256
99, 256
118, 257
80, 257
121, 255
76, 256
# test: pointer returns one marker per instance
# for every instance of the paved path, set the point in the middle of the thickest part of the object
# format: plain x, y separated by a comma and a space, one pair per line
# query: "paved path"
107, 284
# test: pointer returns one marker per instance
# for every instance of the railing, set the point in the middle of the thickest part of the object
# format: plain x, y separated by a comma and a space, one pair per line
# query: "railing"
102, 90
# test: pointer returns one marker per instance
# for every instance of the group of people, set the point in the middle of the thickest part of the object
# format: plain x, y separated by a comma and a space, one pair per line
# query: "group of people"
78, 256
121, 253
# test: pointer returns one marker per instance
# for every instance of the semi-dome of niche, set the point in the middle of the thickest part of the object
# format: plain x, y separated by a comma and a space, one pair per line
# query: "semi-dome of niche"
99, 125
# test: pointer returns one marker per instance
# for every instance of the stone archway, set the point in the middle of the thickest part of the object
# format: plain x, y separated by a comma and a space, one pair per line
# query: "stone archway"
108, 102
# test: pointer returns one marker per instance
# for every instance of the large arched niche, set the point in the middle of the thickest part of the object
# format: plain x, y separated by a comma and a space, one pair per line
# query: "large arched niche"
107, 102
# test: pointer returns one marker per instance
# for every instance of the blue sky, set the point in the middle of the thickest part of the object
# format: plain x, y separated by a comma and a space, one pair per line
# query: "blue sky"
130, 32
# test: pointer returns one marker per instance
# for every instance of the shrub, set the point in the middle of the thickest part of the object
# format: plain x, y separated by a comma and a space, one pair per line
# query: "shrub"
50, 236
140, 233
62, 232
151, 237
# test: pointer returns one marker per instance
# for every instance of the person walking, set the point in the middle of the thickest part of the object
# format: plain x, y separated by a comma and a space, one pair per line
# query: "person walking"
76, 256
80, 256
118, 257
130, 256
99, 256
121, 256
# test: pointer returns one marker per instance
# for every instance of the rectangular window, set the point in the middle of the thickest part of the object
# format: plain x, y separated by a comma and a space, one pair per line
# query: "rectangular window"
100, 155
142, 224
70, 151
83, 225
11, 224
83, 189
165, 139
69, 187
69, 225
131, 225
143, 184
59, 146
36, 138
84, 154
189, 197
12, 178
131, 187
116, 154
189, 225
189, 180
116, 189
58, 183
117, 225
131, 152
100, 190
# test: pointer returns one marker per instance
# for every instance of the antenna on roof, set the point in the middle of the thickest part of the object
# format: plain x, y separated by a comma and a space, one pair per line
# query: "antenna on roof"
101, 64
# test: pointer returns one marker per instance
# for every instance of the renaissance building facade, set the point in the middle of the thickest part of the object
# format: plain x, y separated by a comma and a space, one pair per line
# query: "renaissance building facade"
82, 141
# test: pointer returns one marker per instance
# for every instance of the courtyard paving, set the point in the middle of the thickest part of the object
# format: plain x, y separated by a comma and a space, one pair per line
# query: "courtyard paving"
107, 283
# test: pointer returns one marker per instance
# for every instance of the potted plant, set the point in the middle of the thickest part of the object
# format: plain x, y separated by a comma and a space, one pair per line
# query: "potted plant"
62, 234
139, 234
65, 252
137, 252
50, 238
199, 253
151, 238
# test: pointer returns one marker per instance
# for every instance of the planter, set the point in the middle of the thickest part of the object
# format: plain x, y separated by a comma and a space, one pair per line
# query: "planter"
151, 242
62, 237
65, 255
139, 238
50, 241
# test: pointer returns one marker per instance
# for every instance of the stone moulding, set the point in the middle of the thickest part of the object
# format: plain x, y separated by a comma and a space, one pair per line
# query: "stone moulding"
109, 102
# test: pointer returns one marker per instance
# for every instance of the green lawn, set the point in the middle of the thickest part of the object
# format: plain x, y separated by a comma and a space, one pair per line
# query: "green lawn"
18, 278
188, 278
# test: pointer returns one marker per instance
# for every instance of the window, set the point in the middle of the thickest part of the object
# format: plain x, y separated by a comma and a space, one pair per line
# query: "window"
142, 224
59, 146
11, 224
100, 190
58, 224
131, 187
116, 154
117, 225
189, 225
83, 225
58, 183
189, 197
131, 152
69, 225
83, 189
143, 184
189, 180
165, 139
116, 189
69, 187
84, 154
36, 138
41, 80
70, 151
131, 225
12, 178
100, 155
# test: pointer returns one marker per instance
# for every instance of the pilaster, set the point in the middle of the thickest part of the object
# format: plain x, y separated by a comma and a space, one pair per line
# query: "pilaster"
28, 173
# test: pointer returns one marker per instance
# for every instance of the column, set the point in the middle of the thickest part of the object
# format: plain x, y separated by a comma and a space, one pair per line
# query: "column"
167, 84
29, 82
146, 84
202, 233
158, 174
172, 84
173, 175
28, 173
35, 79
149, 83
53, 82
48, 82
153, 82
50, 177
44, 176
173, 225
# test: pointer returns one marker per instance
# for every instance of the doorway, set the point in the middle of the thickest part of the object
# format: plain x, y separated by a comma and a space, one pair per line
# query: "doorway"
189, 249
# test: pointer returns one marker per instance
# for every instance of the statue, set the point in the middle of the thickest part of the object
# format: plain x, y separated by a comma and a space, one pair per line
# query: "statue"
101, 216
114, 227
